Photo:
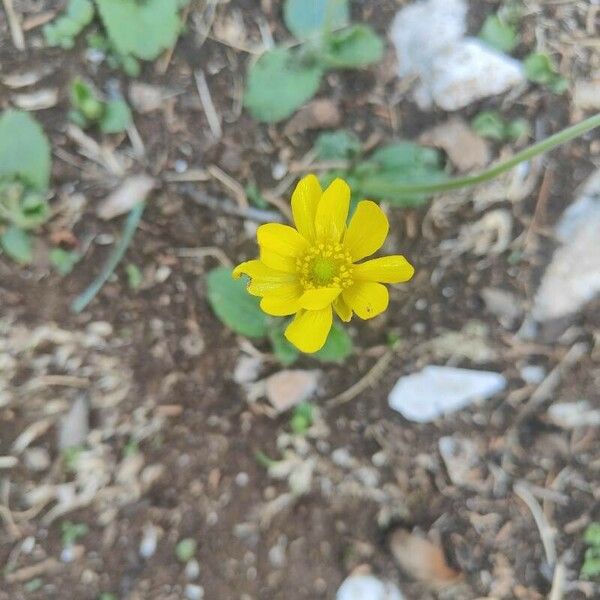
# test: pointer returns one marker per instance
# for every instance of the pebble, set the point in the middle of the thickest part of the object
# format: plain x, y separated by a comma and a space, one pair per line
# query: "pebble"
149, 542
572, 279
367, 587
247, 369
242, 479
570, 415
74, 426
290, 387
37, 459
436, 391
192, 569
194, 592
453, 70
533, 374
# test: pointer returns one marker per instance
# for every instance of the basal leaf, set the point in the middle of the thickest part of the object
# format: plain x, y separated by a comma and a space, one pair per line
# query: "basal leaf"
116, 117
489, 124
356, 46
24, 150
308, 18
233, 305
337, 145
338, 346
17, 244
142, 29
286, 353
499, 34
64, 260
279, 83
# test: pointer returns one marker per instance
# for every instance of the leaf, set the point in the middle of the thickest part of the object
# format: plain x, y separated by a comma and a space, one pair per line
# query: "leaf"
24, 150
338, 346
499, 34
134, 276
356, 46
517, 129
116, 118
308, 18
278, 83
539, 68
337, 145
489, 124
63, 30
286, 353
63, 260
143, 30
85, 100
591, 535
233, 305
17, 244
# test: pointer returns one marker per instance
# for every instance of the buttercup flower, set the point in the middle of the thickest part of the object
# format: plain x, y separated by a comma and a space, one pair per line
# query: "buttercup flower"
313, 270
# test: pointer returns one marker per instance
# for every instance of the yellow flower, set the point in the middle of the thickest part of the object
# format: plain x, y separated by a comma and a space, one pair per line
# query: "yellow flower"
312, 270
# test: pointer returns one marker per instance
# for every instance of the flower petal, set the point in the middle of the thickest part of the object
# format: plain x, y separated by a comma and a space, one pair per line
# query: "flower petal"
332, 211
309, 329
305, 199
387, 269
367, 230
343, 311
282, 239
263, 279
284, 304
367, 298
287, 264
319, 298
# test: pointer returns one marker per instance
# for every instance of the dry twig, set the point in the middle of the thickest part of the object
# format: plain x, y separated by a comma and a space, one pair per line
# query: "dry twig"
15, 25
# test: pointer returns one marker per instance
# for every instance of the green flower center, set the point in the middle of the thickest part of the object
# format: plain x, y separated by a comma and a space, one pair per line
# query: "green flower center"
326, 264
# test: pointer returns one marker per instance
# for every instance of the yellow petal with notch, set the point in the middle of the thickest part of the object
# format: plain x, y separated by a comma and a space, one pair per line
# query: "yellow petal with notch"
309, 329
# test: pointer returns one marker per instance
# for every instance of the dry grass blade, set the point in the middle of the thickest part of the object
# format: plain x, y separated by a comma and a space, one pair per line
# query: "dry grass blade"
14, 22
214, 121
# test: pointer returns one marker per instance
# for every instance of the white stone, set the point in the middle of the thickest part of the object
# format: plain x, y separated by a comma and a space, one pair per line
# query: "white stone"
572, 278
437, 391
367, 587
194, 592
570, 415
74, 426
454, 71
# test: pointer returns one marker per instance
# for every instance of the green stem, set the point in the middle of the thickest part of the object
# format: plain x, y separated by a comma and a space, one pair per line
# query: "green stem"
382, 189
115, 258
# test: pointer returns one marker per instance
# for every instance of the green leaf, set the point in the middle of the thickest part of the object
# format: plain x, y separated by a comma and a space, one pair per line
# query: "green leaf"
591, 563
71, 532
499, 34
85, 100
17, 244
401, 163
286, 353
539, 68
143, 30
337, 347
116, 118
185, 550
63, 30
308, 18
591, 535
232, 303
302, 418
279, 83
24, 150
356, 46
517, 129
134, 276
337, 145
22, 207
489, 124
64, 260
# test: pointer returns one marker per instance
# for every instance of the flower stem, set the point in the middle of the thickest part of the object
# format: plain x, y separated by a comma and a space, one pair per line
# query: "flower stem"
380, 189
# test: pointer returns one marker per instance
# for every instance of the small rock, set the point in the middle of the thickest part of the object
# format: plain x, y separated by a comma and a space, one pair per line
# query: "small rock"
247, 369
504, 305
532, 374
36, 459
461, 457
586, 94
454, 70
570, 415
367, 587
38, 100
146, 98
149, 542
194, 592
192, 569
437, 391
289, 387
465, 149
277, 553
572, 279
74, 426
132, 191
318, 114
192, 344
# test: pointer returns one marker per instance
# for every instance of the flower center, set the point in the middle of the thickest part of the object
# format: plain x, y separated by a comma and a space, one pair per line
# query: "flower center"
326, 264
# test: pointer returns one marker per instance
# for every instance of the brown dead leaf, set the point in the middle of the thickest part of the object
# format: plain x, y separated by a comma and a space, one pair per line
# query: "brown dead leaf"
318, 114
465, 149
133, 190
422, 559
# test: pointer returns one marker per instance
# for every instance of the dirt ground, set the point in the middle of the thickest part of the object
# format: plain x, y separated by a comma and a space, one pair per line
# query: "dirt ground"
171, 451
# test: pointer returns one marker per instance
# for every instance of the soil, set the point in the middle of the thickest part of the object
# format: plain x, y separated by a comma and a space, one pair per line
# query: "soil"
200, 431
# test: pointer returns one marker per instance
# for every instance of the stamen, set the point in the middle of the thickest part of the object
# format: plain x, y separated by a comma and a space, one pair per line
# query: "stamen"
325, 264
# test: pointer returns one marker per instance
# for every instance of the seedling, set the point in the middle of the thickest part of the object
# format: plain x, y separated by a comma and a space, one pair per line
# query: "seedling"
540, 68
490, 124
591, 563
